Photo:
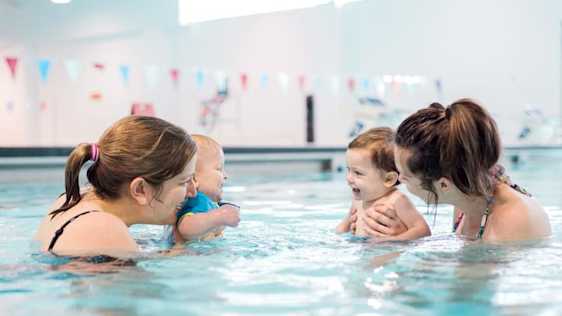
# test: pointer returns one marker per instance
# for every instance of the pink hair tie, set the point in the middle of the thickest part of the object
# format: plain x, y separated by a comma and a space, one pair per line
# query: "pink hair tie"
95, 152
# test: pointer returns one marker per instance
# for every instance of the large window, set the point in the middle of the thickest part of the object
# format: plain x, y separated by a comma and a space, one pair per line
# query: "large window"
194, 11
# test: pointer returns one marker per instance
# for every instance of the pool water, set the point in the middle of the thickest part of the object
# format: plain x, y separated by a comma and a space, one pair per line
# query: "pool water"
285, 258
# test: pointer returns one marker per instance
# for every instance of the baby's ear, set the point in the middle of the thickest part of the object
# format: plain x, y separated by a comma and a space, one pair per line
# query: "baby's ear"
390, 179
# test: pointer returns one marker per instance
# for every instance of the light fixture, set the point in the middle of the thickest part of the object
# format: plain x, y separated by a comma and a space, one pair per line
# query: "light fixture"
60, 1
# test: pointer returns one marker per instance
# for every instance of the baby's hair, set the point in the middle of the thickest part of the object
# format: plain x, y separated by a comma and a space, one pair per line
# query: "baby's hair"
379, 142
205, 143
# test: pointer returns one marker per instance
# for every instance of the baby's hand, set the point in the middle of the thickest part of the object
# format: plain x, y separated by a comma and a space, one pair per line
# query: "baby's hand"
352, 219
229, 215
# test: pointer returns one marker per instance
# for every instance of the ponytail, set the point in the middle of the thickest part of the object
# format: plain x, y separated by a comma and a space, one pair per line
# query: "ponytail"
78, 157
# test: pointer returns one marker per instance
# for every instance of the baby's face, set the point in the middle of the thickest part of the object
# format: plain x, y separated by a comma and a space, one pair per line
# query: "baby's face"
211, 175
365, 180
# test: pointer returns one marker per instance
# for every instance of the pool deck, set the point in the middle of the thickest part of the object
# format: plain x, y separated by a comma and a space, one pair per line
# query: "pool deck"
325, 158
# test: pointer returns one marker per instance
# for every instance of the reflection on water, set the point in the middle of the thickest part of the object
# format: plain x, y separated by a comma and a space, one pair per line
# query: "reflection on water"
285, 259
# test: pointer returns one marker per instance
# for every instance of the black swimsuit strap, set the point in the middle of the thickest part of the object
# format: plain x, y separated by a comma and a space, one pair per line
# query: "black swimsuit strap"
59, 231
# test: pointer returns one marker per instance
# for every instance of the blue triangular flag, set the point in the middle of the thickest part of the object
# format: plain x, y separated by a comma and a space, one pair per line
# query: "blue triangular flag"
199, 78
44, 66
124, 69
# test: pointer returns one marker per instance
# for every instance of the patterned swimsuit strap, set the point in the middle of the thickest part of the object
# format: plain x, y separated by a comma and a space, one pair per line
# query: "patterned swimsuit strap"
498, 173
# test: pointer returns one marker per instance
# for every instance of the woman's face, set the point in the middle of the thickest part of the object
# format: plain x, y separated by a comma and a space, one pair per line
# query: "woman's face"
413, 183
174, 191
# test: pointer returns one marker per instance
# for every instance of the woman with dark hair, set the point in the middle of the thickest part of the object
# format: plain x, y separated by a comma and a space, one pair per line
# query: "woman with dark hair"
140, 173
449, 155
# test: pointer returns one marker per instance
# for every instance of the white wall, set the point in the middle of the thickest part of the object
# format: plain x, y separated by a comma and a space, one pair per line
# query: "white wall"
505, 53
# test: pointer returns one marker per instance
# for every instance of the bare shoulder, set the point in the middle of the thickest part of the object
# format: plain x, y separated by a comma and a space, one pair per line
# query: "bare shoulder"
402, 203
97, 233
521, 218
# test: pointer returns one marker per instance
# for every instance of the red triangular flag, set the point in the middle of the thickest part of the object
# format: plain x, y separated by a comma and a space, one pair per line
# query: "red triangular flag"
351, 84
244, 81
12, 64
302, 82
175, 74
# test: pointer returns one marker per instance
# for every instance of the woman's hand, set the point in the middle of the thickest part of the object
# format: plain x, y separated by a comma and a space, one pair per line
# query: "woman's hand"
382, 221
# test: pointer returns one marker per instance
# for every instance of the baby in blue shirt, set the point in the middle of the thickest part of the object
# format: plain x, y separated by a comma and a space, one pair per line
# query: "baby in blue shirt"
204, 217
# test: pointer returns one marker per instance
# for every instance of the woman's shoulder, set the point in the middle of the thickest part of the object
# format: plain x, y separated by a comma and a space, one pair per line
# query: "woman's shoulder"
87, 229
520, 218
100, 232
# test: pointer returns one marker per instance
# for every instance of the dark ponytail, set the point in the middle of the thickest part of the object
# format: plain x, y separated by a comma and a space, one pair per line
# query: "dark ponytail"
76, 160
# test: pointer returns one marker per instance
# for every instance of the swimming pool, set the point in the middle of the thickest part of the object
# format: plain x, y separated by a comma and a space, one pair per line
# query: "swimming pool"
285, 259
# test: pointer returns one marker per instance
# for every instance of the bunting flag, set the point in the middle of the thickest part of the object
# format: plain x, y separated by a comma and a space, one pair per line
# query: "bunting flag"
99, 66
220, 79
365, 83
175, 75
381, 89
317, 82
43, 106
9, 106
199, 78
283, 81
72, 69
351, 84
124, 70
264, 79
244, 81
44, 67
335, 85
12, 64
302, 82
152, 75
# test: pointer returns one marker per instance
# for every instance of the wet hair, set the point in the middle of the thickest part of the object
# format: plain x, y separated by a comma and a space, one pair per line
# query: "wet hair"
459, 142
135, 146
379, 142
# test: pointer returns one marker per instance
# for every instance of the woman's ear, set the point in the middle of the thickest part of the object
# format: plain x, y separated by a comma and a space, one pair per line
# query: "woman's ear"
140, 191
390, 179
443, 185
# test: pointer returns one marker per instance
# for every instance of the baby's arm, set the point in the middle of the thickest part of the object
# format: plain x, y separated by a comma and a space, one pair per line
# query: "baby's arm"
197, 225
345, 225
414, 221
